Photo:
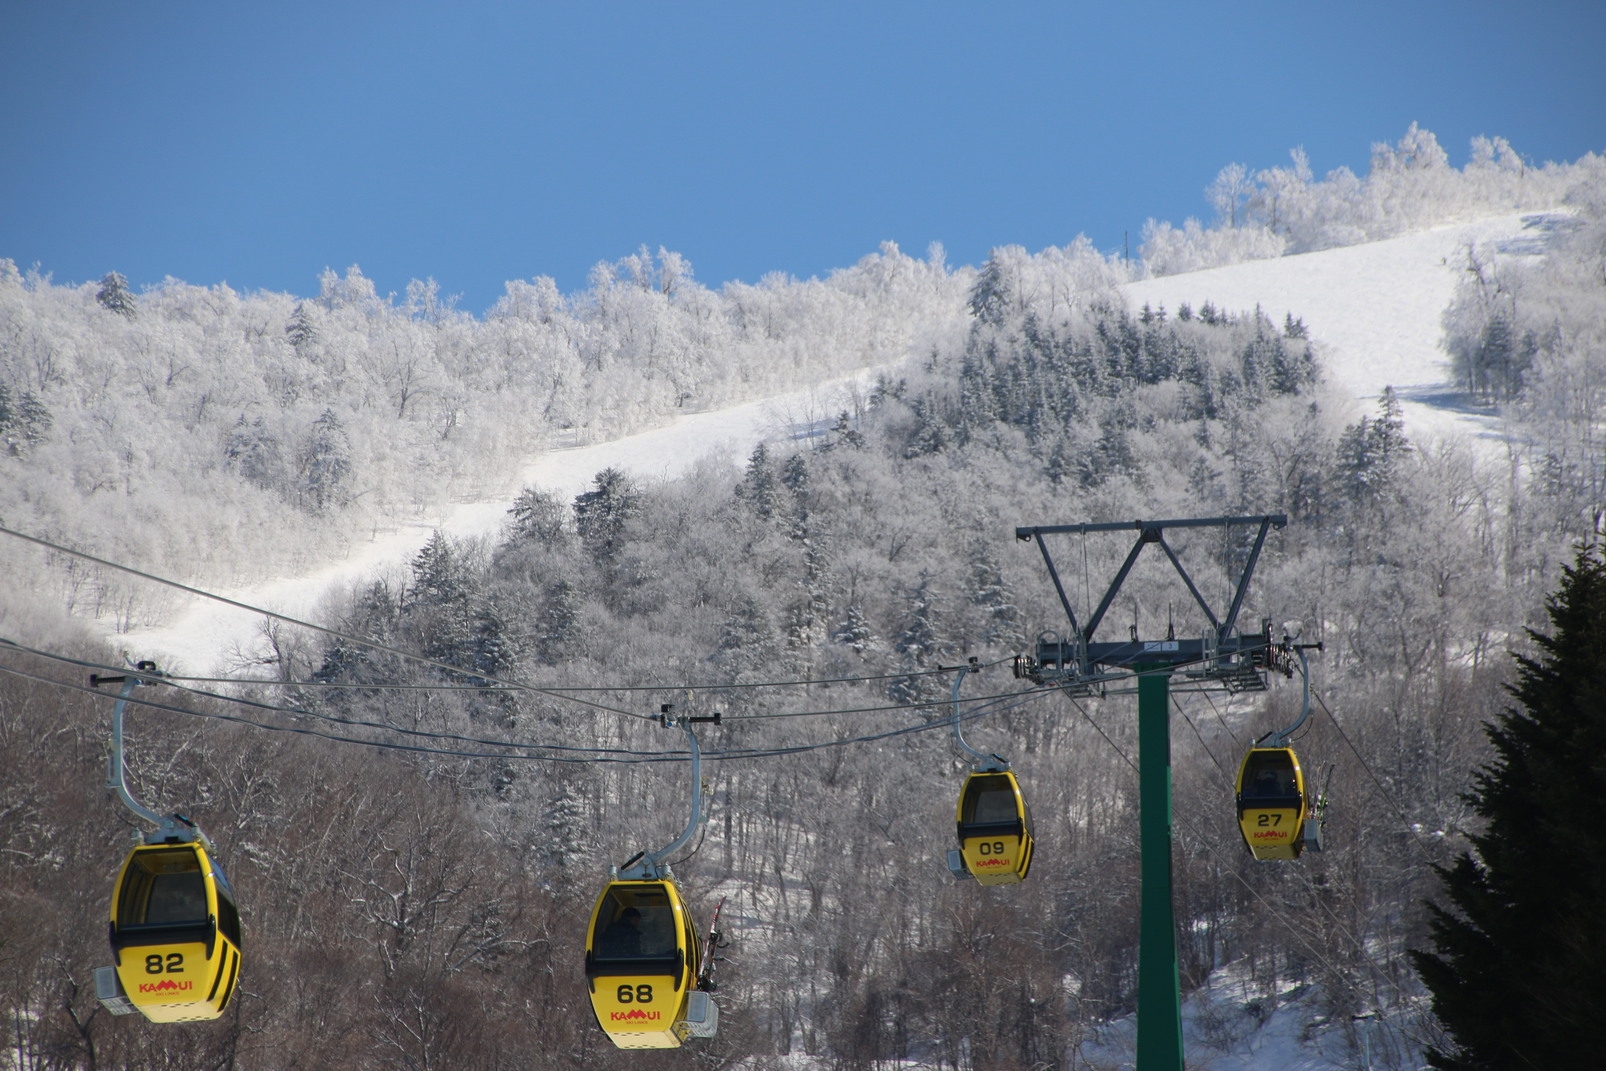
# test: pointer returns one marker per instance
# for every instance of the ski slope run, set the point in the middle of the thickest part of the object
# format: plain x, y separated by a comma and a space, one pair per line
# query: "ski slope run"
1373, 309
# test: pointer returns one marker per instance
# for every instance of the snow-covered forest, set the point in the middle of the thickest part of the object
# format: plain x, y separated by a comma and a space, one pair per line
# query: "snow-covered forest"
423, 910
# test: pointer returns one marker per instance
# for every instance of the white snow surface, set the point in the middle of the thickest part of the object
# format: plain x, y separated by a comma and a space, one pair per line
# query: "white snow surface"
205, 635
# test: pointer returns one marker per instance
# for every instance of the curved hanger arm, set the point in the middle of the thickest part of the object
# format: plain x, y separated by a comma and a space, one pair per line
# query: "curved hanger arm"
984, 763
651, 863
1280, 737
116, 777
170, 827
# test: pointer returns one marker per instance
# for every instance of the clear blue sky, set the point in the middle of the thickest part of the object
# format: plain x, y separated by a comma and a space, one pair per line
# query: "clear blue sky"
477, 142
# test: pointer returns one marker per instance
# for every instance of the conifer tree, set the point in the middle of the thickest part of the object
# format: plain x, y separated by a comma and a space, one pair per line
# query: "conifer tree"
600, 515
115, 296
1516, 969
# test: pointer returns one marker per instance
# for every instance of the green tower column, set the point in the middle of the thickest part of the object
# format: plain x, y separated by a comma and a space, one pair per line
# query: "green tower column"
1159, 983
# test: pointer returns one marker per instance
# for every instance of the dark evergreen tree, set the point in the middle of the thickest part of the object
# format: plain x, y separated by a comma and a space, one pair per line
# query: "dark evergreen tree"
921, 645
254, 452
301, 331
1370, 453
439, 603
115, 296
1516, 968
560, 633
990, 297
929, 434
538, 517
759, 487
855, 632
1001, 617
600, 515
846, 433
747, 641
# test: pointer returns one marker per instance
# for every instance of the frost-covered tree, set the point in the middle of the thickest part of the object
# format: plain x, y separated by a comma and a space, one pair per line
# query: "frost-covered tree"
601, 514
539, 517
254, 451
1229, 191
115, 296
325, 462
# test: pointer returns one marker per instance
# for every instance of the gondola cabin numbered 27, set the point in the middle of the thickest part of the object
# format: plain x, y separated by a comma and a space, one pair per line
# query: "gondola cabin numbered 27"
175, 933
1273, 806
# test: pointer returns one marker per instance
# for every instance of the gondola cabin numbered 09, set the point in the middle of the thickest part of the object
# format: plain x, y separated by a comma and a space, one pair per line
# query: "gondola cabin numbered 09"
643, 957
994, 828
1273, 806
175, 933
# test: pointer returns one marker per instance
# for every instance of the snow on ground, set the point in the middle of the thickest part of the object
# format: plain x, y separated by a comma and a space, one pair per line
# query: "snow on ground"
205, 635
1375, 310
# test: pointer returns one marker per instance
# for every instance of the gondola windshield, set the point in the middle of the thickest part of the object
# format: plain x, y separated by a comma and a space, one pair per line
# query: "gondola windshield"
163, 887
990, 801
635, 931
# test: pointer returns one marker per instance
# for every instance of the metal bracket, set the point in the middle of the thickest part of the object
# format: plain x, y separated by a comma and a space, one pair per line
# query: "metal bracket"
1221, 655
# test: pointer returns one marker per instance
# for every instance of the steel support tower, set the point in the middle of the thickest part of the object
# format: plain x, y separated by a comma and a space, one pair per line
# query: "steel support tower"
1222, 657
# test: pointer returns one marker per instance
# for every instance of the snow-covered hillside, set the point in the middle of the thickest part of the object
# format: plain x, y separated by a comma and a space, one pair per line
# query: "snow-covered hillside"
1374, 309
207, 635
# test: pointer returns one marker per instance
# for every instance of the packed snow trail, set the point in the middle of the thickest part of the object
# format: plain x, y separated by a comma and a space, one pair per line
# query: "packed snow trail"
1374, 309
207, 635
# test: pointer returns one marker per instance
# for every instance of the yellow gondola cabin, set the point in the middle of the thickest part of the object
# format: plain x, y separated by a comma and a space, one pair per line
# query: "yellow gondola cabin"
643, 958
1273, 806
994, 828
175, 933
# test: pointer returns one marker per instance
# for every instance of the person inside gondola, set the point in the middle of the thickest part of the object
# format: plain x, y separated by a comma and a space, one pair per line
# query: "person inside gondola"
622, 938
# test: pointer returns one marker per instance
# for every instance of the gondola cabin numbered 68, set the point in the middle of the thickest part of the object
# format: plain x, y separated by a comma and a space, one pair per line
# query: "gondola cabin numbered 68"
175, 933
994, 828
650, 986
643, 956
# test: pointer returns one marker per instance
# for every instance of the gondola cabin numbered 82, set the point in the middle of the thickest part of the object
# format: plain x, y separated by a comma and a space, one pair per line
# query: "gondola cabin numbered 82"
994, 828
1272, 803
643, 957
175, 933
